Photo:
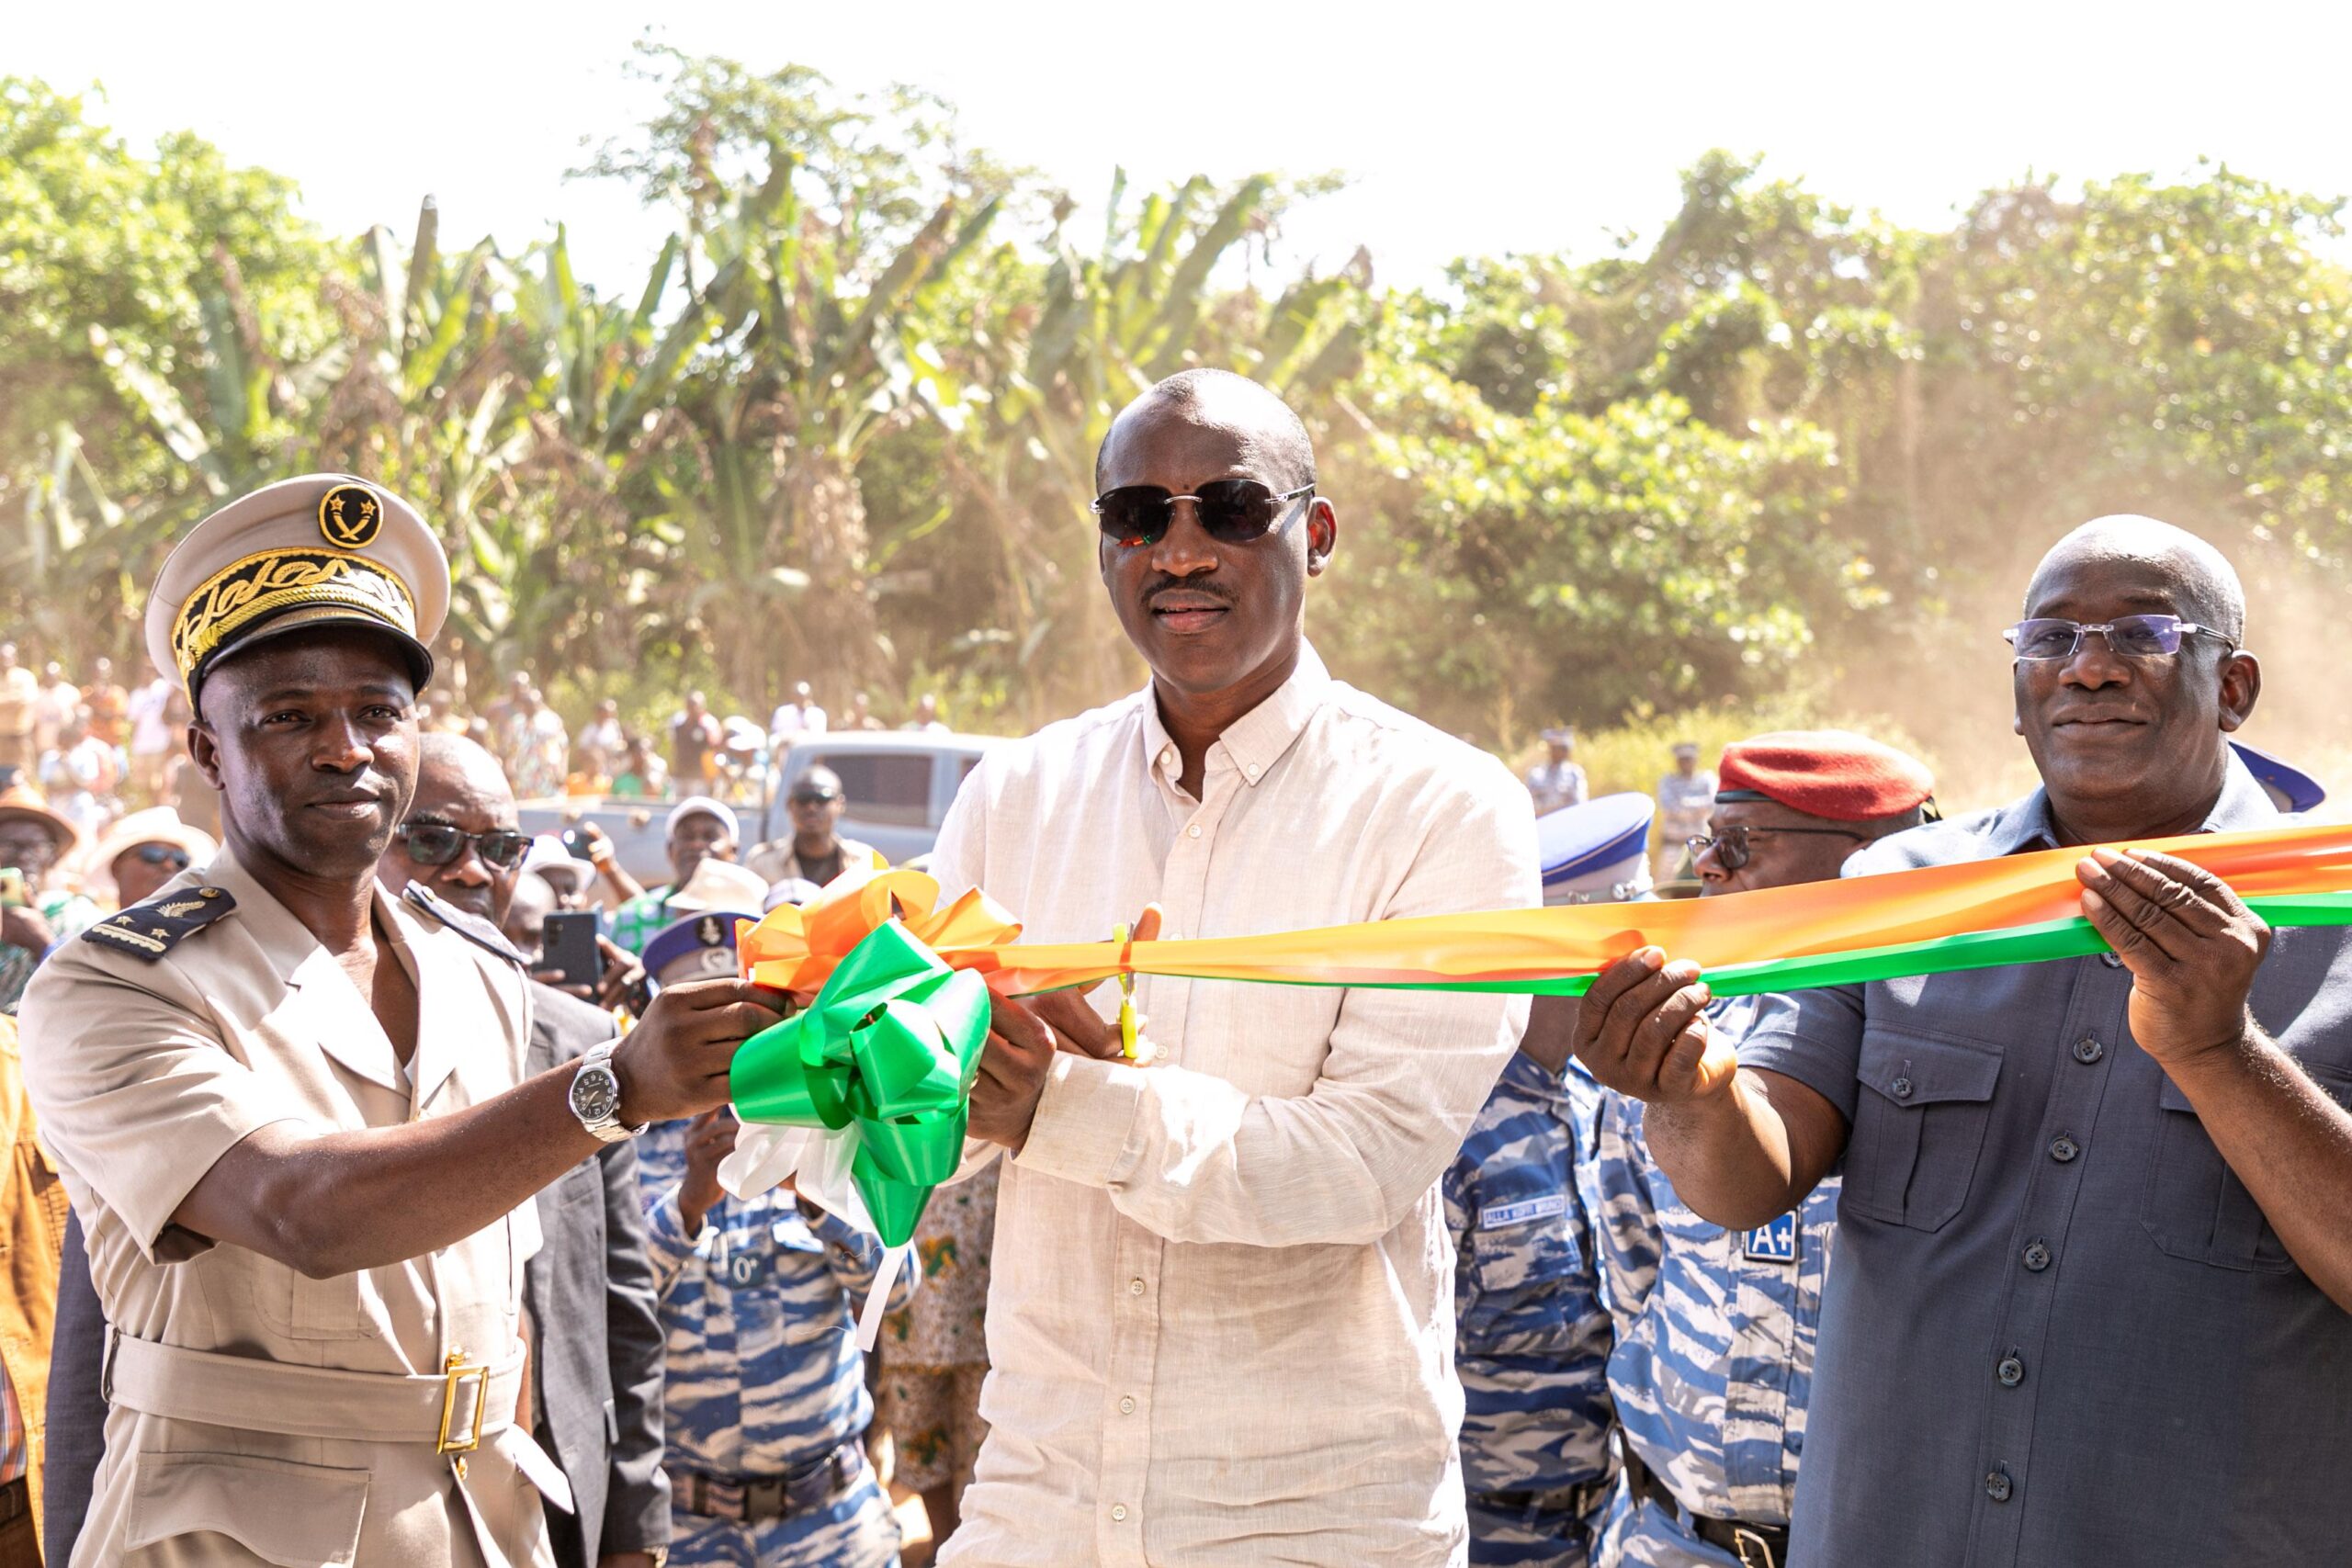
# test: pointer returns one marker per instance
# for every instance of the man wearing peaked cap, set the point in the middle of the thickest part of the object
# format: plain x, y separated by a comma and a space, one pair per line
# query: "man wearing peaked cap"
289, 1107
320, 550
767, 1404
1597, 852
1715, 1328
1558, 780
695, 948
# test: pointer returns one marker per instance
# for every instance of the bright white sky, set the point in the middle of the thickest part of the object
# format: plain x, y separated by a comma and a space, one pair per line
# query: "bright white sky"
1470, 127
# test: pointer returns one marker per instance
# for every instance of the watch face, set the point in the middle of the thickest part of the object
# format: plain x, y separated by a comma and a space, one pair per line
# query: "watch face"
595, 1094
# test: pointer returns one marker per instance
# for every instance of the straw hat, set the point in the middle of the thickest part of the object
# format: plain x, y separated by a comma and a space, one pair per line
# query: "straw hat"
719, 885
156, 825
21, 800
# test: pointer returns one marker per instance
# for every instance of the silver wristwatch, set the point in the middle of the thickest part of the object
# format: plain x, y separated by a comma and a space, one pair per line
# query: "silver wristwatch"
597, 1095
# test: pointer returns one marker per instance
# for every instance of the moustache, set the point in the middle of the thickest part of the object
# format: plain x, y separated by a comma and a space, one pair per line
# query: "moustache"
1163, 583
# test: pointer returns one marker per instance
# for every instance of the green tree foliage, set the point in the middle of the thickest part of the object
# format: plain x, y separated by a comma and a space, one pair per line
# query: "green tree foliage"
845, 428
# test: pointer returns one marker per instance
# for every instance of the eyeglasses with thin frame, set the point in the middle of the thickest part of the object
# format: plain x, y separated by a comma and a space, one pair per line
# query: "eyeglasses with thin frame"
1232, 512
2132, 637
440, 844
1731, 844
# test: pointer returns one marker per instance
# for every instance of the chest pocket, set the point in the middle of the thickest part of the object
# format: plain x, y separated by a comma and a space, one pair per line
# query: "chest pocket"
768, 1270
1534, 1284
1918, 1127
2195, 1208
303, 1308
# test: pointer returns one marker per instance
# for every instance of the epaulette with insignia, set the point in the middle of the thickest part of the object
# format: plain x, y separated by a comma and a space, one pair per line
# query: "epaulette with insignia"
150, 930
473, 928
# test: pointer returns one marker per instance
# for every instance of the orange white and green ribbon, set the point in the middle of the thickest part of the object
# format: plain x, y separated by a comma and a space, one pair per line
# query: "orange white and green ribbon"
2018, 908
860, 1100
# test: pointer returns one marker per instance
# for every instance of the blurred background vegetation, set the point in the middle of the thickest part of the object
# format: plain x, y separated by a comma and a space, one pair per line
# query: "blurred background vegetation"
1781, 462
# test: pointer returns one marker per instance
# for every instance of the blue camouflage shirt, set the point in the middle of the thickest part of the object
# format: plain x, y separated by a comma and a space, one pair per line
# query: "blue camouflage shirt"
764, 1372
1532, 1338
1715, 1328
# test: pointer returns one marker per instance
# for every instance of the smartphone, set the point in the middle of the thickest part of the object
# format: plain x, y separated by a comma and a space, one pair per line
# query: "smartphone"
576, 843
568, 946
12, 889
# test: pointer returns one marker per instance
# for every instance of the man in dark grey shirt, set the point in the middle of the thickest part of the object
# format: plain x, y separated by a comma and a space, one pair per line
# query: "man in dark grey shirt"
2088, 1304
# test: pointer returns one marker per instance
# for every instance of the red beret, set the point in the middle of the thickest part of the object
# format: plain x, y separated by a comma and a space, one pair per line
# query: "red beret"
1824, 773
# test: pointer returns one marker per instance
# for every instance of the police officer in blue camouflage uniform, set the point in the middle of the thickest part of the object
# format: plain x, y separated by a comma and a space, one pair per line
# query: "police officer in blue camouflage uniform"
1532, 1336
766, 1393
1714, 1329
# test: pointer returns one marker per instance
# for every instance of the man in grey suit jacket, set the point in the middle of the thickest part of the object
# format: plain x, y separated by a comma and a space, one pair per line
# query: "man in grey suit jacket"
596, 1332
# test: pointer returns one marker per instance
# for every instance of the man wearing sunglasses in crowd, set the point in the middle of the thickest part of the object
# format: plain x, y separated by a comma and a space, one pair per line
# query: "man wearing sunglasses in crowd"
816, 852
1716, 1328
144, 850
1219, 1325
2092, 1274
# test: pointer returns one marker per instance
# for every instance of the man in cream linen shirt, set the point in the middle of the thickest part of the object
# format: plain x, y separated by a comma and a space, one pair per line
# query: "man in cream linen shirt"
1221, 1325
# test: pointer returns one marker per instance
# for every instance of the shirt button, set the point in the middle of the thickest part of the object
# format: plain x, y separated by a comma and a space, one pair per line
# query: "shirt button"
2037, 1254
1250, 772
1902, 1087
1118, 1511
1134, 1287
1194, 831
1998, 1485
1127, 1405
2011, 1372
2088, 1050
2063, 1148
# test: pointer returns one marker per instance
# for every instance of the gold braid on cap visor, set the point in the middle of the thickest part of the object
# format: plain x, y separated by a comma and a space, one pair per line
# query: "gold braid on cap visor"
274, 581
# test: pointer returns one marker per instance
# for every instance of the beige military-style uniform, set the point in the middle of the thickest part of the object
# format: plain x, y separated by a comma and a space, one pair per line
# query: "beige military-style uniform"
256, 1416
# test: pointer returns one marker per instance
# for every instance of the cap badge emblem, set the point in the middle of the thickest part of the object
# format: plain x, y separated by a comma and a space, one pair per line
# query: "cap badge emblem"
350, 516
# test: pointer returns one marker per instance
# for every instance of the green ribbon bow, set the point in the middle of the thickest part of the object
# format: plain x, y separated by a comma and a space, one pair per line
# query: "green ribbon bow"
890, 1046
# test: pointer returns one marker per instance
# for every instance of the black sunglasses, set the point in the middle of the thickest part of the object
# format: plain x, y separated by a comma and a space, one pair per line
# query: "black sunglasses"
814, 796
1731, 845
1232, 512
438, 843
171, 855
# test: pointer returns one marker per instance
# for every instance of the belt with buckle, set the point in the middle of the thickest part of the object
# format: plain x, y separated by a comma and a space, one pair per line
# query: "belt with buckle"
455, 1409
461, 1408
1756, 1546
757, 1499
1574, 1501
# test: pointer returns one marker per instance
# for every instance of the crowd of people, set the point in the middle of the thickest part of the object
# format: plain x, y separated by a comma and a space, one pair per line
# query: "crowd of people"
695, 751
393, 1136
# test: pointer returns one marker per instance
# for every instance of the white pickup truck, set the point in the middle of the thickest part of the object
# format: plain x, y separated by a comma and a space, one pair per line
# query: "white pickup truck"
897, 783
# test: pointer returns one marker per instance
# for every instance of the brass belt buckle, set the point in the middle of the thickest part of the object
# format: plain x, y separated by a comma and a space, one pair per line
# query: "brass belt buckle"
454, 1373
1755, 1551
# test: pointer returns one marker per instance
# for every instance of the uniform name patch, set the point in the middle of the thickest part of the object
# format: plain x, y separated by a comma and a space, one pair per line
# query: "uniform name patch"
1775, 1243
1504, 1214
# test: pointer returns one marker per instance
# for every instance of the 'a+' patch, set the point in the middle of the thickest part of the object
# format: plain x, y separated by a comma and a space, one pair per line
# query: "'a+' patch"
1774, 1243
150, 930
